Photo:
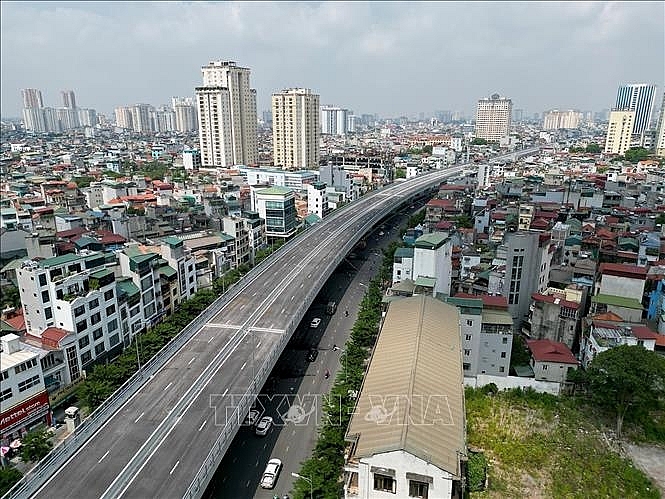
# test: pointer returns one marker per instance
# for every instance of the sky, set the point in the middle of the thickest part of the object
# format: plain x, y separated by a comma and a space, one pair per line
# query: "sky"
388, 58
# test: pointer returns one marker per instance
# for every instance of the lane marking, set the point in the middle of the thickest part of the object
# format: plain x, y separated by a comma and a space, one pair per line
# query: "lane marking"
174, 467
225, 392
202, 425
193, 359
257, 345
102, 458
140, 416
212, 338
243, 366
167, 386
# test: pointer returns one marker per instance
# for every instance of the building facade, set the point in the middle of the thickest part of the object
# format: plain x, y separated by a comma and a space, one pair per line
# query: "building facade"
277, 206
560, 120
619, 132
226, 107
493, 118
334, 120
296, 129
640, 98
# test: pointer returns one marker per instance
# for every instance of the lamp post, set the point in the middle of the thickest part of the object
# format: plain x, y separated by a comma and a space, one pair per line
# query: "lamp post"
311, 489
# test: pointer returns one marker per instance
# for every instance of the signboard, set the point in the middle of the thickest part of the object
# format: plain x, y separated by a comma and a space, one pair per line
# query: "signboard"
24, 412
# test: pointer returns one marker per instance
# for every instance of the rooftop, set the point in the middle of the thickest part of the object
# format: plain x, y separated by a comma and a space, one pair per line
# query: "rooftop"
617, 301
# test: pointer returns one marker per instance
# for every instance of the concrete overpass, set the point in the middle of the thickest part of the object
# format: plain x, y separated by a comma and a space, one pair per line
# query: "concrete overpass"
164, 433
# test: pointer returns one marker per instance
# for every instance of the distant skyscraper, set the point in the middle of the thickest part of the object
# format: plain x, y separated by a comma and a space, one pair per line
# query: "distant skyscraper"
493, 117
33, 119
638, 97
619, 132
660, 134
185, 114
518, 115
32, 97
557, 120
68, 99
141, 118
227, 116
87, 117
295, 129
334, 120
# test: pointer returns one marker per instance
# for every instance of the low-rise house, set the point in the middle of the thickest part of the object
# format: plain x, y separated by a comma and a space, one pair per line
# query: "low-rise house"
603, 335
551, 360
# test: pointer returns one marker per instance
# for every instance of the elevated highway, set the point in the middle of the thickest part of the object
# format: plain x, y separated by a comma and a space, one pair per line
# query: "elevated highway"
165, 432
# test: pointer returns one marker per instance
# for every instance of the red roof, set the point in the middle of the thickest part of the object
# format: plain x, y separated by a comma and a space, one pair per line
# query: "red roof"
76, 231
551, 351
489, 301
555, 300
623, 270
51, 336
441, 203
608, 316
17, 322
444, 224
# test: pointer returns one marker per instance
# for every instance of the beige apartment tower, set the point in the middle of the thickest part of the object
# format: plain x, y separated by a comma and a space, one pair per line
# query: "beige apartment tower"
619, 132
226, 107
296, 129
558, 120
493, 117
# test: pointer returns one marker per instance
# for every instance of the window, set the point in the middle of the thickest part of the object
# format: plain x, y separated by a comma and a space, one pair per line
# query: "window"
28, 383
384, 483
95, 318
45, 297
467, 337
5, 394
544, 367
78, 311
86, 357
113, 325
108, 295
110, 310
466, 366
81, 325
24, 366
99, 348
467, 352
42, 279
503, 355
115, 339
84, 342
502, 369
48, 313
504, 341
418, 489
4, 375
93, 304
469, 322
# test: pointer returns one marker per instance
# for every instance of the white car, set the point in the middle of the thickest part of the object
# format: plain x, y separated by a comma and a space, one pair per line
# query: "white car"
264, 426
270, 474
252, 418
315, 323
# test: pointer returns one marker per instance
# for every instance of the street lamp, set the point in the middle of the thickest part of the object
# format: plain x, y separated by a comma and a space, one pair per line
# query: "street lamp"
311, 489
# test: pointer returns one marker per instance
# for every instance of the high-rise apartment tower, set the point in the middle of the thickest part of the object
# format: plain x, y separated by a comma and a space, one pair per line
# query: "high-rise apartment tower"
296, 129
493, 117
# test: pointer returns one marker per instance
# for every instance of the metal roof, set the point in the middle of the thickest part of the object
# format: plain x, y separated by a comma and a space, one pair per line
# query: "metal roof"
412, 398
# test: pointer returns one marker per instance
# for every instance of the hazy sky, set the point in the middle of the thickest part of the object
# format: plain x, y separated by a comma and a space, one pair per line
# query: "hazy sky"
388, 58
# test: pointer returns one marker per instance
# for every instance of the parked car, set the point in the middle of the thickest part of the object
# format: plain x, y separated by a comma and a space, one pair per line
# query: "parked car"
270, 474
315, 323
312, 354
263, 427
252, 418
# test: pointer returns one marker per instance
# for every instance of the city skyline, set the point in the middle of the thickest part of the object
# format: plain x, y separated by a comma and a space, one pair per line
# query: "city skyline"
386, 58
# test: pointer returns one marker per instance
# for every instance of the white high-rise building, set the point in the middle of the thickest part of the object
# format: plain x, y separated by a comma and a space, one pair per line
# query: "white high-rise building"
185, 114
123, 117
163, 120
227, 116
660, 133
32, 97
557, 120
493, 117
619, 132
334, 120
33, 119
638, 97
68, 117
141, 119
68, 99
87, 117
295, 129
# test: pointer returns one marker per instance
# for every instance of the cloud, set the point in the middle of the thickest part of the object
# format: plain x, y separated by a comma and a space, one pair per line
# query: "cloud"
385, 57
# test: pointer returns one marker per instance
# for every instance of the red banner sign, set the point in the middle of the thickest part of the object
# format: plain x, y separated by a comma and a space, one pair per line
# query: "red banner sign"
24, 410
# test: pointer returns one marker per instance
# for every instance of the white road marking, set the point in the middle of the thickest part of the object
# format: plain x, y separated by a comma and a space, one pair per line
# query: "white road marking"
174, 467
257, 345
167, 386
211, 339
140, 416
193, 359
225, 392
247, 484
243, 366
102, 458
202, 425
287, 449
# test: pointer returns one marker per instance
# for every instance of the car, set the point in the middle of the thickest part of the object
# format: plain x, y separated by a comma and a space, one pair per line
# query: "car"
312, 354
315, 323
263, 426
252, 418
270, 474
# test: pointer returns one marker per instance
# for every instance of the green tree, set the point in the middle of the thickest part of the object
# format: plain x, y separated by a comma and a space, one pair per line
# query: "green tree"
624, 378
427, 149
35, 445
636, 154
83, 181
519, 353
8, 478
400, 173
478, 142
593, 148
464, 221
10, 296
660, 219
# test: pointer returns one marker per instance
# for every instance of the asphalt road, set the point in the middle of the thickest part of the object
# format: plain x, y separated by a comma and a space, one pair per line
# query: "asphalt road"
155, 444
239, 474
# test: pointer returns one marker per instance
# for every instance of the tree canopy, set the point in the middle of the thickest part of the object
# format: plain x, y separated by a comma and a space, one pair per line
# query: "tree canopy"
35, 445
477, 141
636, 154
8, 477
625, 378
